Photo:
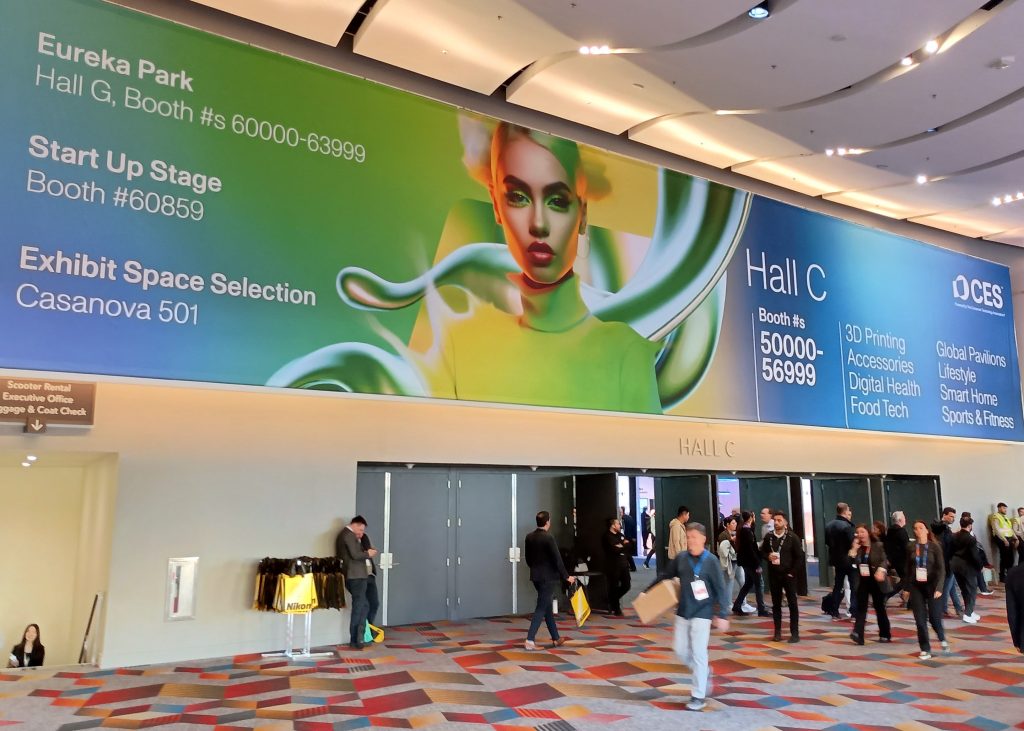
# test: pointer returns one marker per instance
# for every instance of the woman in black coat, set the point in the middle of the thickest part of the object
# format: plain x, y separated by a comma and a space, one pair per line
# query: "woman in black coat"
872, 567
28, 653
926, 574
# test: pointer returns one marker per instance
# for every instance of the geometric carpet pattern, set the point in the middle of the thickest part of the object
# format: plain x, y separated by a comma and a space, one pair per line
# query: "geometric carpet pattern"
475, 675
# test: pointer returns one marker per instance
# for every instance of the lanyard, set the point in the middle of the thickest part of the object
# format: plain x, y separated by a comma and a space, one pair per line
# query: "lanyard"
696, 569
864, 555
778, 548
922, 561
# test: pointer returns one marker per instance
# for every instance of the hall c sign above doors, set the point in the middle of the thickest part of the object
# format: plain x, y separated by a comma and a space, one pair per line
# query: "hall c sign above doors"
703, 447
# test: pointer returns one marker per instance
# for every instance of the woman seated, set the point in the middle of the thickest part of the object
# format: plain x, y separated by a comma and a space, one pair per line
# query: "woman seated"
29, 652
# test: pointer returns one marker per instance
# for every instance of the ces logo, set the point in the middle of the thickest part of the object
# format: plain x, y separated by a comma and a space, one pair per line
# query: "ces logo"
979, 292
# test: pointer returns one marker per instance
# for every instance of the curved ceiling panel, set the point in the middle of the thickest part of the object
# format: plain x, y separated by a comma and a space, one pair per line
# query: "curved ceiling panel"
989, 138
324, 21
817, 175
472, 44
597, 22
606, 92
946, 87
718, 141
792, 58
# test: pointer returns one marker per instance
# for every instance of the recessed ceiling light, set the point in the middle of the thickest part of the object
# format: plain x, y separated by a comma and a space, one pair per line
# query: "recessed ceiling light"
931, 46
906, 61
26, 464
997, 201
1007, 198
444, 51
31, 458
921, 179
760, 12
830, 152
584, 50
841, 151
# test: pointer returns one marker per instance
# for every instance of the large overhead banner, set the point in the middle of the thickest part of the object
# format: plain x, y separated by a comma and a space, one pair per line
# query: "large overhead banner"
179, 206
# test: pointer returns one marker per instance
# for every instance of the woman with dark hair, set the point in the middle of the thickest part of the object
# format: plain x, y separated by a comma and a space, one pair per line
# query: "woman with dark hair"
872, 567
29, 652
926, 574
965, 564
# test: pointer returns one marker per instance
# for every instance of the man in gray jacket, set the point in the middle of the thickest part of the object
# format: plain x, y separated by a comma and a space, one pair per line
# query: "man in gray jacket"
702, 594
349, 549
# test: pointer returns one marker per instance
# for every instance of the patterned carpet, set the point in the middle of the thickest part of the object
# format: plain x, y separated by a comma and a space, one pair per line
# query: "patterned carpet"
476, 675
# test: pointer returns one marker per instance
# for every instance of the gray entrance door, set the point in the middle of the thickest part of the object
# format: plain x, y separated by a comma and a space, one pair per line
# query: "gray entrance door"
670, 493
483, 569
825, 494
918, 498
415, 567
765, 492
536, 491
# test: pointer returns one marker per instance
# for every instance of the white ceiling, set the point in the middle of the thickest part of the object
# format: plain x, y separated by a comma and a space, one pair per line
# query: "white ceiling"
678, 61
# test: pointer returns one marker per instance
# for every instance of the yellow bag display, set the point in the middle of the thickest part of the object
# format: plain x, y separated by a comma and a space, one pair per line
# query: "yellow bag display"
299, 594
373, 634
580, 606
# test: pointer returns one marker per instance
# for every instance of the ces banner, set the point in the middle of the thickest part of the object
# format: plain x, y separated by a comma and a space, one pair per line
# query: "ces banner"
180, 206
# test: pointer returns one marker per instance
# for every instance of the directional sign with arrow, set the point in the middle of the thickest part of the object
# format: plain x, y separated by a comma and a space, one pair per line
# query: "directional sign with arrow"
41, 403
35, 426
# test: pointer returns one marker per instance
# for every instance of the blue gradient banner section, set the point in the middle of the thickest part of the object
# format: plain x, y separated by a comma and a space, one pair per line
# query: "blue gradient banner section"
845, 326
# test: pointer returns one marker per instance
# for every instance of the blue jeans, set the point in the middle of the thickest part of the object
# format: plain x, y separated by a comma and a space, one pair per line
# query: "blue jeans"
358, 610
950, 591
544, 612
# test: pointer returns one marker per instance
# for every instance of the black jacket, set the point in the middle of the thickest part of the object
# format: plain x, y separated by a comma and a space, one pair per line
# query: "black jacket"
896, 540
936, 567
965, 552
35, 658
839, 539
543, 557
1015, 604
791, 554
615, 551
747, 554
944, 535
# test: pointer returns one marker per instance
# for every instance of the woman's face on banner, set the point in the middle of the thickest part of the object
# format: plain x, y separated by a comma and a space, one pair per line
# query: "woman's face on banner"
537, 207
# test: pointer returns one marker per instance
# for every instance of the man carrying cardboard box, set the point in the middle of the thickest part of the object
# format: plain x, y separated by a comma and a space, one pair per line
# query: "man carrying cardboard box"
702, 592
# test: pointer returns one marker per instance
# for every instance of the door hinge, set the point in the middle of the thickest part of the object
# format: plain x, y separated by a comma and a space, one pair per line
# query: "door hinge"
459, 601
459, 560
447, 562
449, 522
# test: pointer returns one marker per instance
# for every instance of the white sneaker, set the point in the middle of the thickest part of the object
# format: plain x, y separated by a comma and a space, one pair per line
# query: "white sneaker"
975, 616
747, 609
696, 704
970, 619
986, 593
530, 645
945, 646
924, 655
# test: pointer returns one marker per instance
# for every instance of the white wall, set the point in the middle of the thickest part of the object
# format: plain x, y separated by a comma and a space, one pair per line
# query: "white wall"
232, 476
41, 526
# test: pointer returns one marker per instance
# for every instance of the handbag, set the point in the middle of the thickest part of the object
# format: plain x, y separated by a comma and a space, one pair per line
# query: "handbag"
580, 605
886, 584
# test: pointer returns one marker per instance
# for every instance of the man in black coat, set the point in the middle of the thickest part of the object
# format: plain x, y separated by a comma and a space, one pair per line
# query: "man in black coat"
1015, 605
785, 555
628, 530
748, 556
839, 539
896, 541
546, 572
616, 569
943, 532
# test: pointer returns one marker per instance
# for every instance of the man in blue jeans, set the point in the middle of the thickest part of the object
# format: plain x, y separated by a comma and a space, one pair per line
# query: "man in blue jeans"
703, 600
358, 565
547, 571
839, 539
943, 532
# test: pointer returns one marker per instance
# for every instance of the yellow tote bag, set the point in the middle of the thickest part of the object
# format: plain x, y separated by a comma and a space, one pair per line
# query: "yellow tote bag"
580, 606
299, 594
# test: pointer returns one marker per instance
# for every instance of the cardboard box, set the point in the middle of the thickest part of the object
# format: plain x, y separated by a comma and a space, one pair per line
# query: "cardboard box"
661, 599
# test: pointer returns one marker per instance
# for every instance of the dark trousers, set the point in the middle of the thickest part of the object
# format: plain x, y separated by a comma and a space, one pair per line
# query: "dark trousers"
926, 609
849, 572
372, 599
544, 611
780, 582
358, 610
967, 580
751, 580
868, 587
651, 551
1005, 559
618, 584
